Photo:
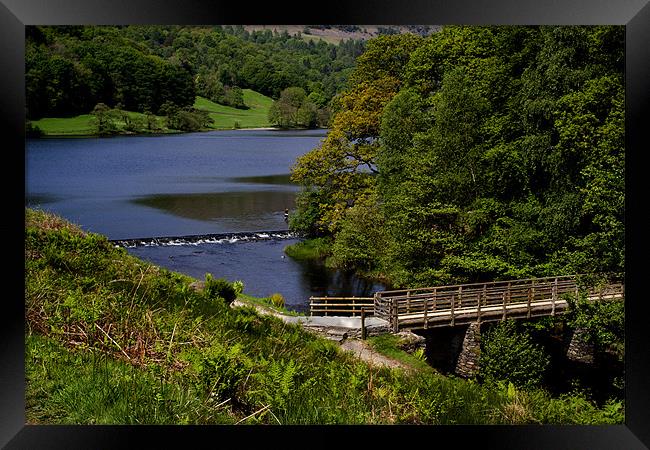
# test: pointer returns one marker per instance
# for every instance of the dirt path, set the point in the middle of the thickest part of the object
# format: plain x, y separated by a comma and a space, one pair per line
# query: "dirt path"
361, 349
364, 351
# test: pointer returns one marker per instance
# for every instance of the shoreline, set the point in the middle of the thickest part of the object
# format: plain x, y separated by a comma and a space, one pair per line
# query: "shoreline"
165, 133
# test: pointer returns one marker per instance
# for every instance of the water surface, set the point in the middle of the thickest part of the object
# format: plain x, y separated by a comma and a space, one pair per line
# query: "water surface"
262, 266
196, 183
190, 184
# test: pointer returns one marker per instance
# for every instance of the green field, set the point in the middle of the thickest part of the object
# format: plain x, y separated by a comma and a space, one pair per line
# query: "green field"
82, 125
224, 117
78, 125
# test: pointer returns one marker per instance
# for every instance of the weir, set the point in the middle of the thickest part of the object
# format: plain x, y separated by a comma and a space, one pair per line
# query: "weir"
196, 239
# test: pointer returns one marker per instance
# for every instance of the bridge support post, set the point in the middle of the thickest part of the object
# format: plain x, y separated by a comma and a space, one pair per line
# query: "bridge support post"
580, 349
467, 363
395, 311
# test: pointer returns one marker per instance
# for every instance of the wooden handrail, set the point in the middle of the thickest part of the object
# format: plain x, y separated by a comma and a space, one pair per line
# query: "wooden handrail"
345, 305
530, 297
440, 305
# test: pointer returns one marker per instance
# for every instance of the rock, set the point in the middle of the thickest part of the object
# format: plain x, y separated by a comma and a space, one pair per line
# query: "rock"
410, 342
198, 286
333, 334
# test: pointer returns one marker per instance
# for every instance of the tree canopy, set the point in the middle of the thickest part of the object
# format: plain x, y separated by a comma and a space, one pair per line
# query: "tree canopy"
70, 69
479, 152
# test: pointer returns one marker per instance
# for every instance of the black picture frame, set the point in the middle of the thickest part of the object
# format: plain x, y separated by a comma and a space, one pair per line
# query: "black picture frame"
15, 14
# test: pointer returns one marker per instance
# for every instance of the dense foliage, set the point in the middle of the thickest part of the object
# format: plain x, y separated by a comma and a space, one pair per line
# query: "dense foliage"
510, 355
111, 339
70, 69
294, 109
477, 153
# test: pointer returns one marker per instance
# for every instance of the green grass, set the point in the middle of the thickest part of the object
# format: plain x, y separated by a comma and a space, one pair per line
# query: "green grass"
317, 248
387, 344
78, 125
265, 302
82, 125
225, 116
68, 387
112, 339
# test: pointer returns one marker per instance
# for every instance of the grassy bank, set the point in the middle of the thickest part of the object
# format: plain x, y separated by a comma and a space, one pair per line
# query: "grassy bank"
317, 248
320, 249
115, 340
83, 125
225, 117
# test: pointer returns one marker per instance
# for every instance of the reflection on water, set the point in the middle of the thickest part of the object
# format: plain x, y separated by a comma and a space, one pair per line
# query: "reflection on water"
245, 211
283, 179
336, 283
273, 180
36, 200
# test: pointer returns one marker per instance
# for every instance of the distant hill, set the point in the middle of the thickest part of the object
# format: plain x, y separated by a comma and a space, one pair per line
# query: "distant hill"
334, 34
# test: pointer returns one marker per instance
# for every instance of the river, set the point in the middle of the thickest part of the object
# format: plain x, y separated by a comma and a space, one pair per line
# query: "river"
236, 181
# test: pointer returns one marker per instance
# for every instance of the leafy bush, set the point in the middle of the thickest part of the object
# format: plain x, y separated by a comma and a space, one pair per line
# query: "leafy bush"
604, 321
219, 288
307, 217
277, 300
238, 286
420, 354
361, 239
220, 370
32, 131
510, 355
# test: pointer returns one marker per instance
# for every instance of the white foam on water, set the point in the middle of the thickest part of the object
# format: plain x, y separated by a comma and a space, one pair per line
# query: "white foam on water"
168, 242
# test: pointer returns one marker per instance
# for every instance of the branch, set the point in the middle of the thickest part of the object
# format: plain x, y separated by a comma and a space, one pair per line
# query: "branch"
251, 415
113, 340
361, 161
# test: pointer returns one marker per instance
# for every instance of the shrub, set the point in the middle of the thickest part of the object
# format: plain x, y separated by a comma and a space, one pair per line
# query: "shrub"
510, 355
420, 354
277, 300
361, 238
238, 286
221, 370
219, 288
307, 217
32, 131
603, 321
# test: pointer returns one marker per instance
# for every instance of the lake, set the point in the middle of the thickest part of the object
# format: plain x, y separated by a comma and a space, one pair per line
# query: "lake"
236, 181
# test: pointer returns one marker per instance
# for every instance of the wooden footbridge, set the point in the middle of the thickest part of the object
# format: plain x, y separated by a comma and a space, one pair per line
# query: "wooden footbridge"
444, 306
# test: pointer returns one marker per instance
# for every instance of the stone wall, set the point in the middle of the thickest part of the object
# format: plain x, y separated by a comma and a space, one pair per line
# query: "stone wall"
580, 350
467, 363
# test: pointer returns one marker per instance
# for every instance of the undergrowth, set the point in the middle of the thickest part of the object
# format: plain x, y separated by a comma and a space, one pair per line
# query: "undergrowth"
115, 340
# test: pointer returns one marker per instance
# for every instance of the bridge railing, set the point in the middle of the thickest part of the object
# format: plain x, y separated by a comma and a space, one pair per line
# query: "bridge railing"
422, 304
340, 306
442, 298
